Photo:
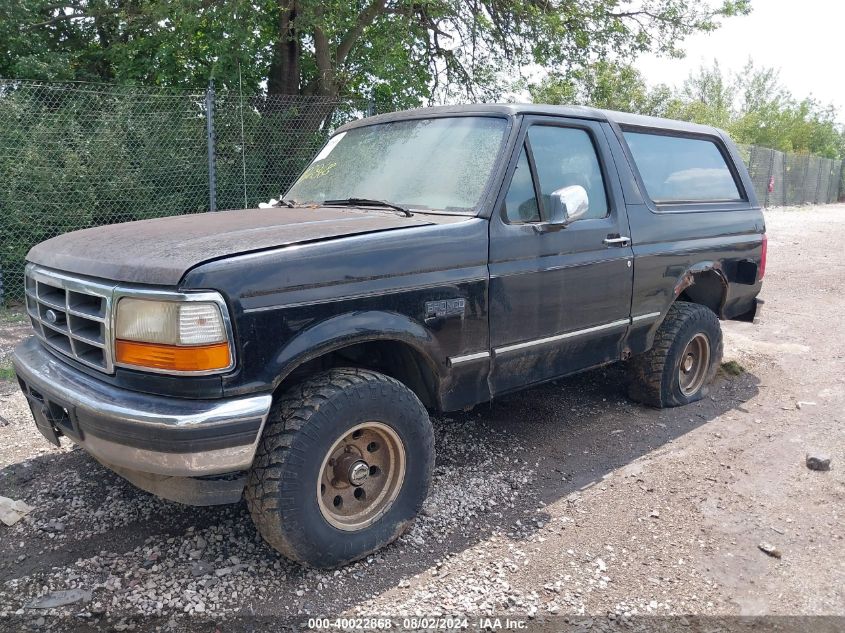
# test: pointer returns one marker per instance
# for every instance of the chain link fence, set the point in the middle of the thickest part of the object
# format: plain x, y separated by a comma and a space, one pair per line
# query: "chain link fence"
74, 156
80, 155
783, 180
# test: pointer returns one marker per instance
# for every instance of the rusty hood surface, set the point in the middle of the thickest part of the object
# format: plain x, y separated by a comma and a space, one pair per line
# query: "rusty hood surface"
160, 251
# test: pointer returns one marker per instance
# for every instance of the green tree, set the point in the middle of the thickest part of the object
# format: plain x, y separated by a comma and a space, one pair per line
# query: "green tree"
752, 105
74, 159
604, 85
707, 97
755, 108
402, 50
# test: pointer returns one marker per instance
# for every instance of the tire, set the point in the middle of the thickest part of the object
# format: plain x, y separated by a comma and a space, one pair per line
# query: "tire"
657, 379
291, 488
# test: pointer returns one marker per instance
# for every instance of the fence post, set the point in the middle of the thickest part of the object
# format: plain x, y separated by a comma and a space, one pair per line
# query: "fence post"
212, 157
806, 158
840, 189
830, 169
769, 176
783, 179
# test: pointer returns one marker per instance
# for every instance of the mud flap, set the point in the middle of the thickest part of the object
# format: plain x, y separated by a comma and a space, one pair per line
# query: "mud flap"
41, 415
752, 315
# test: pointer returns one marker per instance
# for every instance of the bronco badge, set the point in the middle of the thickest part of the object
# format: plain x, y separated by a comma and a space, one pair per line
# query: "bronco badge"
445, 308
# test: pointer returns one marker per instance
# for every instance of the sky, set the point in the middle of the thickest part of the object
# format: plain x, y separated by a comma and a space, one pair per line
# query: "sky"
803, 39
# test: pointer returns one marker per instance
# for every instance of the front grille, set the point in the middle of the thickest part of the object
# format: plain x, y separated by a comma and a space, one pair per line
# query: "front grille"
71, 315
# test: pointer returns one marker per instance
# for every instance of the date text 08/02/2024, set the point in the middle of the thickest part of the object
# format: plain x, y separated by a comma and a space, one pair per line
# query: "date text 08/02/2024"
418, 623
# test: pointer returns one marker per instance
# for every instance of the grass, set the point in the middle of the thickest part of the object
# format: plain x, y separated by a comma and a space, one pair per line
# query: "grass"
7, 373
12, 316
732, 368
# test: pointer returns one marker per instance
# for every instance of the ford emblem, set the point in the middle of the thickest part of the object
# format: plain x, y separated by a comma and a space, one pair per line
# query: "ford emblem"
51, 316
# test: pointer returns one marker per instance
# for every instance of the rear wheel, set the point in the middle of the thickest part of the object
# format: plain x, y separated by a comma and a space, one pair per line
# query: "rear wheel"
343, 467
682, 363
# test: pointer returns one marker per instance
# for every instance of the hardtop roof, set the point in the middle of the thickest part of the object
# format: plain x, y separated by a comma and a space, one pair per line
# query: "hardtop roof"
513, 109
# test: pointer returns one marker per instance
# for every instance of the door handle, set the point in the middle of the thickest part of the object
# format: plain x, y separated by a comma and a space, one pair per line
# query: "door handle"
617, 241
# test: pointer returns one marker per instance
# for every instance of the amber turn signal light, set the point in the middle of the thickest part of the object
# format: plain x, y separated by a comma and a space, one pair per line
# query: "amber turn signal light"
195, 358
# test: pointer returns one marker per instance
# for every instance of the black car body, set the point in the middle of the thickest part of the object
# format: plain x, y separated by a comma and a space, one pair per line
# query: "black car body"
459, 307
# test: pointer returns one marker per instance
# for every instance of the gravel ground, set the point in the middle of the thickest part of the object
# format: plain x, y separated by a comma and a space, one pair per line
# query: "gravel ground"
562, 500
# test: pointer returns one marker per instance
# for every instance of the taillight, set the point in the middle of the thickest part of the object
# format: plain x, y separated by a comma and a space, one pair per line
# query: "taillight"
762, 268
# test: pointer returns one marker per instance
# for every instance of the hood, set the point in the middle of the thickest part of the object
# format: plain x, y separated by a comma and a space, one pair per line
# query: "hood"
162, 250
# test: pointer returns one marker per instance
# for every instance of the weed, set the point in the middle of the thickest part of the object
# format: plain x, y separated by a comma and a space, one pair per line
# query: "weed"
732, 368
12, 316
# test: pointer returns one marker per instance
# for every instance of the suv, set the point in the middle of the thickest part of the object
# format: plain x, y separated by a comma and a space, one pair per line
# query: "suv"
426, 260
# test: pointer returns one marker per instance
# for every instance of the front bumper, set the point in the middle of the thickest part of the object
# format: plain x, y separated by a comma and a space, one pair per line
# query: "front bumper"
137, 432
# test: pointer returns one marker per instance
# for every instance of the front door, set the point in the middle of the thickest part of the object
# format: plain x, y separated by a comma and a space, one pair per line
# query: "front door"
560, 298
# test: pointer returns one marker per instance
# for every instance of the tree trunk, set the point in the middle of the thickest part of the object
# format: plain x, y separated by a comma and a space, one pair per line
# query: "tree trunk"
284, 67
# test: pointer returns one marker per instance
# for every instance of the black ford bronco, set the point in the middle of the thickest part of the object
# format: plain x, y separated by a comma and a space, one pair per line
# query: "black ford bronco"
426, 260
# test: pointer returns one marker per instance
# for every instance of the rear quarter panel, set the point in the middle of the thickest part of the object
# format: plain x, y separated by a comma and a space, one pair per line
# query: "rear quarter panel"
670, 242
667, 246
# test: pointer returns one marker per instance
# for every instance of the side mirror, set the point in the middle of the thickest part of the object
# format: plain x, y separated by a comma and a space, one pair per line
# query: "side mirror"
568, 204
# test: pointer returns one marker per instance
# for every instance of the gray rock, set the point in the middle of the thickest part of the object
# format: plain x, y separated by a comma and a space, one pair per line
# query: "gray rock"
770, 549
818, 461
201, 568
54, 526
60, 598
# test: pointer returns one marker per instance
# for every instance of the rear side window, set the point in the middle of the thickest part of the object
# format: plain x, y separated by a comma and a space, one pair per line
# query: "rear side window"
682, 169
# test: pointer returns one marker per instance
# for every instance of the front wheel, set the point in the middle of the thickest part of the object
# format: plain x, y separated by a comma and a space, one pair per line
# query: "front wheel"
343, 467
682, 363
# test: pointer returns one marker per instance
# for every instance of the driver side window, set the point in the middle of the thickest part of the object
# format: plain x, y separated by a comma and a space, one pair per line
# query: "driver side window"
564, 157
521, 201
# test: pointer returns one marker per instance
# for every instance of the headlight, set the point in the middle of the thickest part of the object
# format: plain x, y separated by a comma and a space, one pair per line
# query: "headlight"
171, 336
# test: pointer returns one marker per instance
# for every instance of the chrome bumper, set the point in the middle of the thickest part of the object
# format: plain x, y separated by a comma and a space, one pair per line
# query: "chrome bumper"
136, 431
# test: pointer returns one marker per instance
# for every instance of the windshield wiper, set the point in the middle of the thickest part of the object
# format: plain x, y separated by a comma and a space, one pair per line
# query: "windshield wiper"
367, 202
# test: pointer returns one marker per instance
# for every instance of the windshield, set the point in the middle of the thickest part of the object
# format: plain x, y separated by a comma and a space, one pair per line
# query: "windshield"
439, 164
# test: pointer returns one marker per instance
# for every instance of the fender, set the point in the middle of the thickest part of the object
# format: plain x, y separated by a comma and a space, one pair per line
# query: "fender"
687, 280
713, 294
355, 327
